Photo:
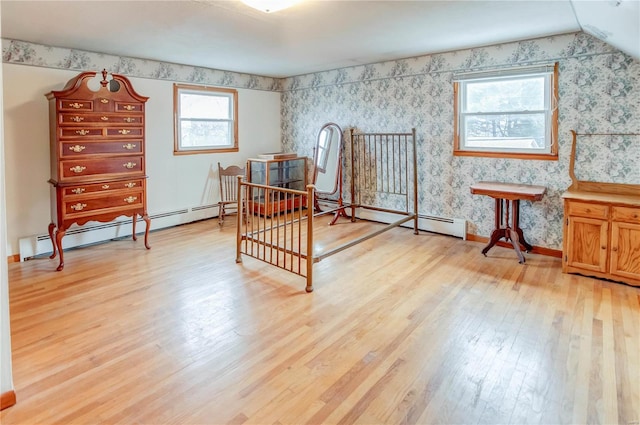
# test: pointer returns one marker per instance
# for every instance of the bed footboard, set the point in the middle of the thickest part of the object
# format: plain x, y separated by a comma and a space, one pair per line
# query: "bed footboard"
280, 235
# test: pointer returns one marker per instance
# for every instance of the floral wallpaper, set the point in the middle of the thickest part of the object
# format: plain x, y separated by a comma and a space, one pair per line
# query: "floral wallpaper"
20, 52
599, 91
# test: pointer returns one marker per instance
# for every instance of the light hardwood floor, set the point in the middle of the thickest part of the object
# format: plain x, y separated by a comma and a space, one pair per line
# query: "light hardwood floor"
401, 329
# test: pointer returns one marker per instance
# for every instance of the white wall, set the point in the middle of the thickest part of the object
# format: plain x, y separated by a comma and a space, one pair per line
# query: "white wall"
175, 182
6, 380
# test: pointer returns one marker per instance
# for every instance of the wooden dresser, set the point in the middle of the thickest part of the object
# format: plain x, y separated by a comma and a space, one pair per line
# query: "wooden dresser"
601, 235
97, 155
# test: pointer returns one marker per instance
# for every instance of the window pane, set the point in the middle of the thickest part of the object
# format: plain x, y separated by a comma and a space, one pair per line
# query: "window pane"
205, 133
204, 106
523, 94
515, 131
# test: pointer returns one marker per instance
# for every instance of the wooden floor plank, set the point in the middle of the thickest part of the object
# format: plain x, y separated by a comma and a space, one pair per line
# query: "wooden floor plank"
400, 329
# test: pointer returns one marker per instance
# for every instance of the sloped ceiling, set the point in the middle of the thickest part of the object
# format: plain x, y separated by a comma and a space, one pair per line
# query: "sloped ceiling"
310, 36
616, 22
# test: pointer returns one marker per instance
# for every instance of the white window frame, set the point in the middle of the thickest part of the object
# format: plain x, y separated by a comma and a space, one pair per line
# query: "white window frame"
550, 149
231, 94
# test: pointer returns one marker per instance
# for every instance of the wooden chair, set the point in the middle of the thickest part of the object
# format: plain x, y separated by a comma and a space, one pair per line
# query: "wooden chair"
228, 189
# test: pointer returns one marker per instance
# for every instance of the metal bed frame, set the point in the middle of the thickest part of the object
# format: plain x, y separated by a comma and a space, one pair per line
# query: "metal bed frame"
383, 171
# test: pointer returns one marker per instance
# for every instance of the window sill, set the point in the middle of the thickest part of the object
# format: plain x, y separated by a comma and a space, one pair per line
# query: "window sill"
512, 155
205, 151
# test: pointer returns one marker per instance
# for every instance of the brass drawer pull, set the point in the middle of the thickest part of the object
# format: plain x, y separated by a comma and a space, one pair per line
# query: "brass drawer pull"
83, 132
129, 146
78, 206
105, 186
130, 199
129, 165
76, 105
76, 119
77, 148
104, 100
128, 107
104, 118
77, 169
78, 190
129, 119
124, 131
129, 185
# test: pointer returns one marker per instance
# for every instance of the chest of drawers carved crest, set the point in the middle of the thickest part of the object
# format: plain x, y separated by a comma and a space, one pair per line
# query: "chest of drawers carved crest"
97, 141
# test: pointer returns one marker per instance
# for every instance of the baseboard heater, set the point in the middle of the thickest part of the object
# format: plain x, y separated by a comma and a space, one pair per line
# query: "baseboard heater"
77, 236
447, 226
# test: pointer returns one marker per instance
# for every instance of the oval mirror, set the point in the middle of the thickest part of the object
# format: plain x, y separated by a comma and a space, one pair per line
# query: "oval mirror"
327, 159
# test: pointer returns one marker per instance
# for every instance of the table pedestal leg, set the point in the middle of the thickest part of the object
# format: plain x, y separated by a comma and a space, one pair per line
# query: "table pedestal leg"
496, 235
511, 232
516, 225
513, 236
499, 231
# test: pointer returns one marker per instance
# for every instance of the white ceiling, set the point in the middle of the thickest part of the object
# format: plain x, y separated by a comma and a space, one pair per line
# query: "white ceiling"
309, 37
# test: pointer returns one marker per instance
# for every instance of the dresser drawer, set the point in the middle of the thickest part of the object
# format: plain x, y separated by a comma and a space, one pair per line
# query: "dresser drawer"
129, 107
75, 132
75, 105
85, 168
125, 132
584, 209
74, 149
626, 214
84, 189
115, 119
94, 204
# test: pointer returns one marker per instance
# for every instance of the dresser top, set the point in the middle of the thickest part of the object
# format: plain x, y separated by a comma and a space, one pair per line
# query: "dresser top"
603, 197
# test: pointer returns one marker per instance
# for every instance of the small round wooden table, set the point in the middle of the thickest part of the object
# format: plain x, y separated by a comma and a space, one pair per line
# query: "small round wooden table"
508, 194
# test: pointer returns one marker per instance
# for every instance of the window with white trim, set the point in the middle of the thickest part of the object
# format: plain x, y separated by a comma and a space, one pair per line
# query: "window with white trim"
507, 113
205, 119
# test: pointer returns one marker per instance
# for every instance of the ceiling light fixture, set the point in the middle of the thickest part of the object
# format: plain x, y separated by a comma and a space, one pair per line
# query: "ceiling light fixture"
270, 6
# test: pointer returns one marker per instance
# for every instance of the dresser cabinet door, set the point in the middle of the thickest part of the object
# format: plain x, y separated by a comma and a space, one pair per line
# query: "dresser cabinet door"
588, 248
625, 250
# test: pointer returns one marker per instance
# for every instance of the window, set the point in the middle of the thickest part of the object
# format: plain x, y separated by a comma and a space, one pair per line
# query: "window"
205, 119
507, 113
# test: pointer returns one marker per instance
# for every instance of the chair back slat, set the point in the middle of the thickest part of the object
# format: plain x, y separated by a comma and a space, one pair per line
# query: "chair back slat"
228, 189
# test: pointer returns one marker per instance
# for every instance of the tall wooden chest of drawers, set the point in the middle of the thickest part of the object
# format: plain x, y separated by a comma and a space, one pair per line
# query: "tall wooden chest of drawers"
97, 155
